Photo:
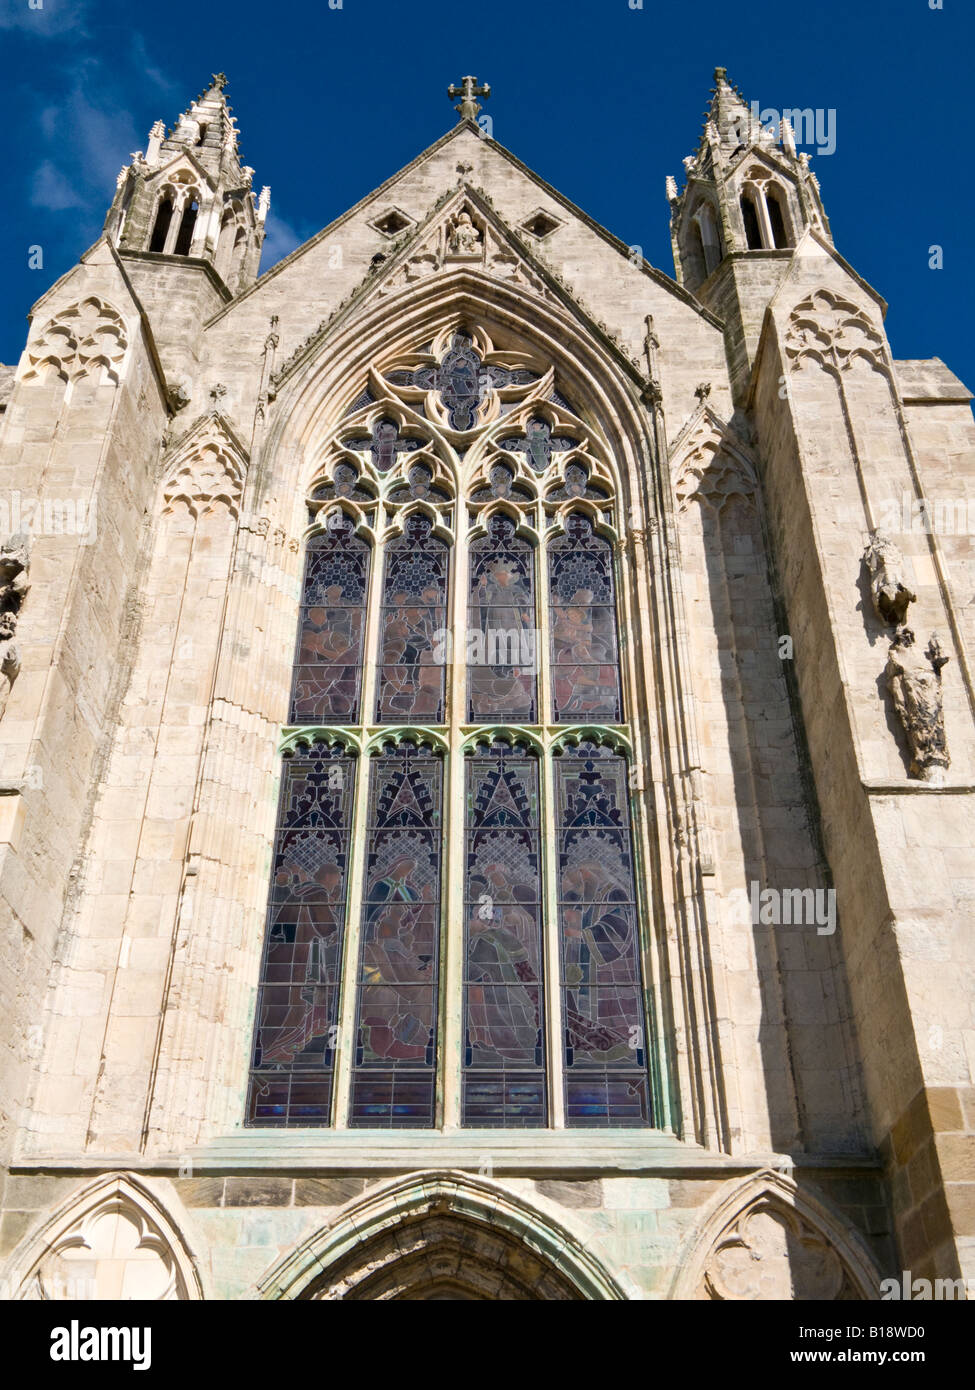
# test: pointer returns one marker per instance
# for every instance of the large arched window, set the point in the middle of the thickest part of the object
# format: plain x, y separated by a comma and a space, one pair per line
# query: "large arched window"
458, 939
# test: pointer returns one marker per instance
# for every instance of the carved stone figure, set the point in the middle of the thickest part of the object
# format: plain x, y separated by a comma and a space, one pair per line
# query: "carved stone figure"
465, 239
14, 584
891, 596
914, 682
9, 657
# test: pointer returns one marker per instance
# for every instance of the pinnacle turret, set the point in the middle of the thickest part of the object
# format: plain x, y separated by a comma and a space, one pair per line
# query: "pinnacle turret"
190, 196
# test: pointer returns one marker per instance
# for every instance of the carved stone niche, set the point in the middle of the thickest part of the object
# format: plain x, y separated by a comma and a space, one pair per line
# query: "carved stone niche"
112, 1242
465, 241
769, 1239
770, 1252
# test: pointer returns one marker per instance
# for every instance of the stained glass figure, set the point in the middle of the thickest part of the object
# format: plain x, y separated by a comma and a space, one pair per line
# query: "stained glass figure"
501, 654
419, 486
539, 443
501, 484
576, 484
604, 1022
585, 661
460, 384
384, 444
297, 1009
504, 1047
345, 483
328, 663
394, 1077
413, 626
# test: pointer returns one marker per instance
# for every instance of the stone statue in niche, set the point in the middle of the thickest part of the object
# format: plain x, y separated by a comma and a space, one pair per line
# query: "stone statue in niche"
914, 682
891, 596
14, 584
465, 239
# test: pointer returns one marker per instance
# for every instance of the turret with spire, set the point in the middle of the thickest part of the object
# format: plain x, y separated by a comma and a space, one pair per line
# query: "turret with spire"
189, 197
748, 198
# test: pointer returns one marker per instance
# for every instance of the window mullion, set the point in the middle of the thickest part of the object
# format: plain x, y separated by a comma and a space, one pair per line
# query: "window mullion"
350, 955
452, 958
550, 877
360, 812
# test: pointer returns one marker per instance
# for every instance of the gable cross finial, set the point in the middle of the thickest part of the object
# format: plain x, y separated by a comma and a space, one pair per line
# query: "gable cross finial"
468, 91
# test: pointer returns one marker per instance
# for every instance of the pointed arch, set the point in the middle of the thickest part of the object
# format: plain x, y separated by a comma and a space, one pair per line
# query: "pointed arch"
765, 1237
357, 1255
331, 375
112, 1239
204, 472
709, 465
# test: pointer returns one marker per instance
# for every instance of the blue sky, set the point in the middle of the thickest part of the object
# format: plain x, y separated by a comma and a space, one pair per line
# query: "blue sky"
601, 99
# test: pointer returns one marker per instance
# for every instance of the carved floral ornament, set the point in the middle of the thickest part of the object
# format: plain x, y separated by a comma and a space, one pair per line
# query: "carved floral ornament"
834, 332
78, 341
461, 416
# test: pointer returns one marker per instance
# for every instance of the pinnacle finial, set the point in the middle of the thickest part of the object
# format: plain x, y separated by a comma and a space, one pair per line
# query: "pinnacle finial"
468, 91
219, 80
720, 75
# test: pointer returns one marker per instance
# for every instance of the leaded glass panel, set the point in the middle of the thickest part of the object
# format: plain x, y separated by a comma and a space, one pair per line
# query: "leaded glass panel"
297, 1008
585, 661
501, 650
413, 626
394, 1082
602, 992
504, 1050
328, 662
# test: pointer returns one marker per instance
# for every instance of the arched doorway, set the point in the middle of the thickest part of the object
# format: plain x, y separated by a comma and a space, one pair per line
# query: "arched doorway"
441, 1256
437, 1237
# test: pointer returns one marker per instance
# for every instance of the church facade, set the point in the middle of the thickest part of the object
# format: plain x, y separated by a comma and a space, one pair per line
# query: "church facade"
487, 748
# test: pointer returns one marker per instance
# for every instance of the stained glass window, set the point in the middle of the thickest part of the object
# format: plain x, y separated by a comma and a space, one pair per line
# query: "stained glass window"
328, 662
297, 1009
501, 650
517, 902
394, 1081
602, 991
412, 627
504, 1052
585, 662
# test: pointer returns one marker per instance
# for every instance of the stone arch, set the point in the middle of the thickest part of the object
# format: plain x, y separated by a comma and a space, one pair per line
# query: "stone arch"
309, 397
113, 1239
765, 1238
205, 473
441, 1235
709, 466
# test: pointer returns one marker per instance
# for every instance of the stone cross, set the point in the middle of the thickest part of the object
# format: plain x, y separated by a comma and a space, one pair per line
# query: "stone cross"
467, 92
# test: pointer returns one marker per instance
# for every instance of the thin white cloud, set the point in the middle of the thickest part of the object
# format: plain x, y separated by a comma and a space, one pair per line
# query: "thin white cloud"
47, 19
51, 190
281, 240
